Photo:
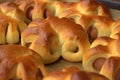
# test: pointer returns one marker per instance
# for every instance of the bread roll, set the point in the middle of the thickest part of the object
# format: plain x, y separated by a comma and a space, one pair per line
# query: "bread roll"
111, 68
64, 74
73, 73
42, 39
112, 44
95, 26
18, 62
31, 9
100, 26
63, 37
95, 58
10, 9
101, 49
37, 8
71, 36
10, 29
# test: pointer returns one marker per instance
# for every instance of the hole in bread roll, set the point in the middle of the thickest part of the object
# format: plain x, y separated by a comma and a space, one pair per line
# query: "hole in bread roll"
39, 75
19, 34
76, 49
6, 32
29, 13
47, 13
97, 64
71, 47
117, 75
28, 44
92, 32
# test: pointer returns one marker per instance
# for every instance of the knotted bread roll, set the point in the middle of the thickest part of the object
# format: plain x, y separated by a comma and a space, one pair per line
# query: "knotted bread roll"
10, 29
73, 73
53, 36
31, 8
40, 37
99, 26
10, 9
95, 26
111, 68
20, 63
101, 49
39, 8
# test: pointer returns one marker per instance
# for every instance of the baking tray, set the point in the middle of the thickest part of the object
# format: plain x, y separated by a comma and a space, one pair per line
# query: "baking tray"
115, 4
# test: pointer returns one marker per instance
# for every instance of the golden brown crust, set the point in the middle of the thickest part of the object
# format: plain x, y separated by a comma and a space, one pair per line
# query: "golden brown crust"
71, 36
104, 41
59, 8
95, 26
116, 30
84, 75
68, 34
102, 25
61, 74
111, 68
24, 4
93, 7
10, 29
73, 73
54, 37
18, 62
93, 55
43, 39
101, 51
11, 9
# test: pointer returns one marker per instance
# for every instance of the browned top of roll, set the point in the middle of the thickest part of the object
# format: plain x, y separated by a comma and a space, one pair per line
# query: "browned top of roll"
73, 73
64, 28
111, 68
12, 10
57, 8
18, 62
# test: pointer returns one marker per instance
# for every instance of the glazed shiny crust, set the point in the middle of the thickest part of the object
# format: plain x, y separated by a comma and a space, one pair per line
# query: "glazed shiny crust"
88, 13
18, 62
103, 57
58, 29
11, 9
95, 54
116, 30
73, 73
95, 25
101, 49
111, 68
98, 26
38, 8
66, 41
12, 23
10, 29
40, 37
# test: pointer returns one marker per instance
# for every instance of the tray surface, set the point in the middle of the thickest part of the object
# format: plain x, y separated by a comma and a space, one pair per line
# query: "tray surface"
115, 4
